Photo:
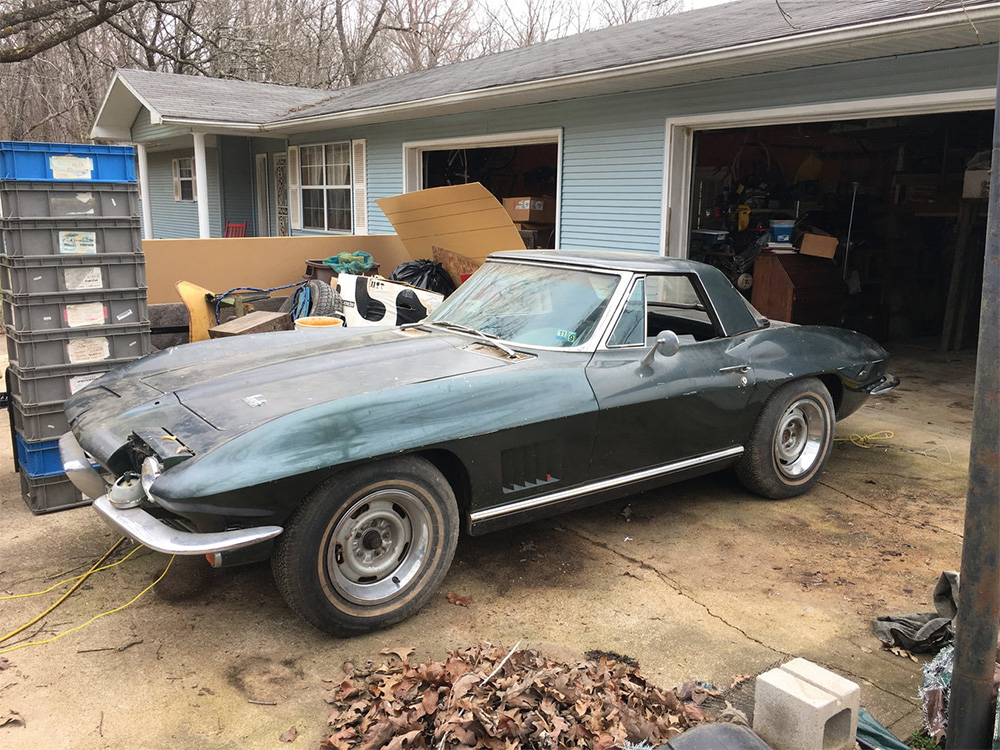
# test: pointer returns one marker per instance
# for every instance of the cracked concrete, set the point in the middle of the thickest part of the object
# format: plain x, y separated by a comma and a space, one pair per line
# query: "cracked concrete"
699, 580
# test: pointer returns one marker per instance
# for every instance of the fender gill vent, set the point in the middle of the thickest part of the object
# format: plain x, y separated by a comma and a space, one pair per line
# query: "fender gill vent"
530, 466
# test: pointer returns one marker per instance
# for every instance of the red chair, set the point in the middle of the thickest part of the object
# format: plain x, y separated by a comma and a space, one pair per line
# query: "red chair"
236, 230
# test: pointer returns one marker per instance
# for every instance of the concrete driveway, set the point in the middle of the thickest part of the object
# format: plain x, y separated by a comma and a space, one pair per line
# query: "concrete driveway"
697, 581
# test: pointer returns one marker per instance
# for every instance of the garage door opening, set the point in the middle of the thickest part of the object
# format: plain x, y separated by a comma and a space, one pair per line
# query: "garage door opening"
523, 167
900, 200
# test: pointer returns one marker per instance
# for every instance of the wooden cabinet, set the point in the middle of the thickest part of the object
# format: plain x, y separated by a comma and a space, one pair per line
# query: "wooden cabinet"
798, 289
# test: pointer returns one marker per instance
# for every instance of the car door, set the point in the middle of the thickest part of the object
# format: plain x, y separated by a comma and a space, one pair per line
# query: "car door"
659, 410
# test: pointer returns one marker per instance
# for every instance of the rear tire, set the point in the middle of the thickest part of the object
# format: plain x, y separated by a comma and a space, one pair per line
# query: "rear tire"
369, 546
790, 442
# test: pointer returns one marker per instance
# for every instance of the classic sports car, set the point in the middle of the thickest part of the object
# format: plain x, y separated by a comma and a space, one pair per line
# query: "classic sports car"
550, 380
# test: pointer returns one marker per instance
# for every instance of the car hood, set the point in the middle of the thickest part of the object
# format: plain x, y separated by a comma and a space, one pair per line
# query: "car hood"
233, 385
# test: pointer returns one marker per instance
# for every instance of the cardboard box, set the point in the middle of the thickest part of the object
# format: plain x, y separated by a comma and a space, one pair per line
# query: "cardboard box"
531, 209
819, 245
976, 184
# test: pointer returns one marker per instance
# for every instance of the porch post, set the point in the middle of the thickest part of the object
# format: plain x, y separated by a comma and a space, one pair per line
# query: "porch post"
147, 203
201, 183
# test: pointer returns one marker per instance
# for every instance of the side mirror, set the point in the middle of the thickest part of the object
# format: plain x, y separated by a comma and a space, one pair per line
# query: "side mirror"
666, 344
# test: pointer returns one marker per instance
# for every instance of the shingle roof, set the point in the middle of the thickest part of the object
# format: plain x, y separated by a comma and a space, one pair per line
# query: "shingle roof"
217, 100
718, 27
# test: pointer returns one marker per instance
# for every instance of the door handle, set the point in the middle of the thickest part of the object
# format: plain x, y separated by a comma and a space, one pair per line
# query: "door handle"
735, 368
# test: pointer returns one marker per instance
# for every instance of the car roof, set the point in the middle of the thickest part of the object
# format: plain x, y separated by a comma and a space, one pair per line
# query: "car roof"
614, 260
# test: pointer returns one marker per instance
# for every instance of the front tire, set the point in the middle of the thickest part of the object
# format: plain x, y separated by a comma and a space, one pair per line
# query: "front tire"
369, 546
790, 442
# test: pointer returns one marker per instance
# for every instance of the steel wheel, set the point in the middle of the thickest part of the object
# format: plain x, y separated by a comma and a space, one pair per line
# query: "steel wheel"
798, 440
369, 546
377, 546
790, 442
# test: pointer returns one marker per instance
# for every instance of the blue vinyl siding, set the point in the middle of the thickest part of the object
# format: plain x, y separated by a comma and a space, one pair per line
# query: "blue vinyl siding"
179, 219
237, 183
613, 146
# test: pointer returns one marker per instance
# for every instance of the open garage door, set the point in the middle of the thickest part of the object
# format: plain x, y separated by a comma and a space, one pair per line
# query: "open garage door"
520, 169
876, 224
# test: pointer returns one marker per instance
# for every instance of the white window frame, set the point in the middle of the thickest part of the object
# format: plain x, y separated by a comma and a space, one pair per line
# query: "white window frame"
678, 154
178, 180
348, 186
413, 156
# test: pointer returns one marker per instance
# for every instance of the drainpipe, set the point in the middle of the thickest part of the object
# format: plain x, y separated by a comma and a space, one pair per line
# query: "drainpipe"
970, 721
201, 183
147, 201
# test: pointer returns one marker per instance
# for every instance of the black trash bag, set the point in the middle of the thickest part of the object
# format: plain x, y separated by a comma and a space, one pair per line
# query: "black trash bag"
425, 274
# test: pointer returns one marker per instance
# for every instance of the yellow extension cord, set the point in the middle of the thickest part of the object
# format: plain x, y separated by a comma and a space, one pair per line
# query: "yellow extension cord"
866, 441
95, 568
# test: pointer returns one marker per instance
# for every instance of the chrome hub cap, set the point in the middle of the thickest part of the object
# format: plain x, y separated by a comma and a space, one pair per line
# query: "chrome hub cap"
799, 438
378, 546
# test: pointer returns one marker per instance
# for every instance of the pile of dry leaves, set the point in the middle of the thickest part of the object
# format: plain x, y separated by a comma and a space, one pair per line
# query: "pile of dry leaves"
486, 697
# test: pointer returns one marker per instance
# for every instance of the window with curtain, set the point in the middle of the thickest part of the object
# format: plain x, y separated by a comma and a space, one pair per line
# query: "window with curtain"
325, 182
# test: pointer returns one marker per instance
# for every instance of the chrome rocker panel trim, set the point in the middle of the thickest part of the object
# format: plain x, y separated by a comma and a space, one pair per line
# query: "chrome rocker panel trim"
606, 484
153, 533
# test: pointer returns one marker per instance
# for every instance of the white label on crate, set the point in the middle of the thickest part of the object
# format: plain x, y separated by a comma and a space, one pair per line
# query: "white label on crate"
36, 278
529, 205
83, 278
121, 316
46, 318
78, 243
86, 314
82, 381
71, 167
88, 350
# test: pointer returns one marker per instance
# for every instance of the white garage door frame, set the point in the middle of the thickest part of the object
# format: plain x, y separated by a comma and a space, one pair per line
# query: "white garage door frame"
679, 147
413, 155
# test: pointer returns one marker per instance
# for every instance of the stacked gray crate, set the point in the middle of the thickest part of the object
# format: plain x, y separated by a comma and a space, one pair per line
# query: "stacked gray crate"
73, 285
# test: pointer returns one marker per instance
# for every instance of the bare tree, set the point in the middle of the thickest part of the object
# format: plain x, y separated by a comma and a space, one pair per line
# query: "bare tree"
27, 29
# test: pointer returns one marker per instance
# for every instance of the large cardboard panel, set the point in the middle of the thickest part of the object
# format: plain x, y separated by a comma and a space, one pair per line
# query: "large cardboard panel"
465, 219
261, 262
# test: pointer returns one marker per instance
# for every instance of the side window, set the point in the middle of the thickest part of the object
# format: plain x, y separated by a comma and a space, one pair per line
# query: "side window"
631, 327
673, 303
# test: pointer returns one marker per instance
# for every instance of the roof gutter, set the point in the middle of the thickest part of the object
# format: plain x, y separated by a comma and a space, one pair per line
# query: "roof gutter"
827, 38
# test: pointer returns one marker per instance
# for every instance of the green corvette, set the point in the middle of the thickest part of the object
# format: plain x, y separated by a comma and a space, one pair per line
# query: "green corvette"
549, 381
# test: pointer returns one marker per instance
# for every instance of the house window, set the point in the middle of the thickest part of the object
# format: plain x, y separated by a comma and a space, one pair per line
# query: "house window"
326, 186
184, 183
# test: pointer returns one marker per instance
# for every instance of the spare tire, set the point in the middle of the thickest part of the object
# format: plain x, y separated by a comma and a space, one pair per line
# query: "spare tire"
321, 298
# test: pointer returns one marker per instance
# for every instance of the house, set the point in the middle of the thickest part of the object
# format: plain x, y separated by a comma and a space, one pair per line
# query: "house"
649, 136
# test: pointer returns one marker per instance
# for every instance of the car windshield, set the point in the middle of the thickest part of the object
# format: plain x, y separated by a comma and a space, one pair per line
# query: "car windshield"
526, 304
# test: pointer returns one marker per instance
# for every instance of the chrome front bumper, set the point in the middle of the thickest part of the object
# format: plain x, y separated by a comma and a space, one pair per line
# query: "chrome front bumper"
883, 385
143, 527
78, 468
152, 532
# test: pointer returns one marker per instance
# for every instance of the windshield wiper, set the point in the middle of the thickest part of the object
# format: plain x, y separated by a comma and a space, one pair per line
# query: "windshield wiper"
490, 338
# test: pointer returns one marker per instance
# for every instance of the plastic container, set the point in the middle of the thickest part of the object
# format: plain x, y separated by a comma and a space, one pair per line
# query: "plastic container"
38, 458
781, 230
317, 323
28, 351
71, 200
70, 238
51, 312
46, 385
49, 494
59, 162
47, 274
40, 421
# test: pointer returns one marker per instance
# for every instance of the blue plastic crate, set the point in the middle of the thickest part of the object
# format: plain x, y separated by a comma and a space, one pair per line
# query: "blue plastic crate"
38, 459
66, 162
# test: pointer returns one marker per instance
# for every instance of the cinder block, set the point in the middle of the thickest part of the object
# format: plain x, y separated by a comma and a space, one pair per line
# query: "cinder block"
801, 706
